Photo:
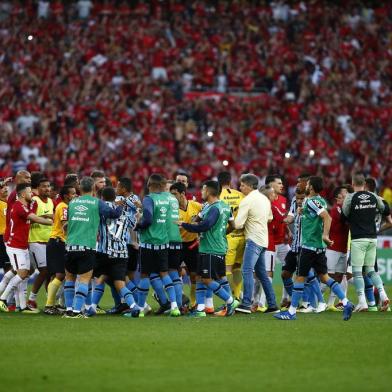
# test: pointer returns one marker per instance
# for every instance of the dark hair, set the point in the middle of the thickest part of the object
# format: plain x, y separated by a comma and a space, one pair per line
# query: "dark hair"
271, 178
42, 180
358, 179
337, 190
299, 192
317, 183
179, 187
108, 193
155, 180
250, 180
349, 188
21, 187
182, 173
71, 179
35, 179
108, 181
304, 176
126, 183
213, 187
86, 184
97, 174
65, 190
371, 184
224, 178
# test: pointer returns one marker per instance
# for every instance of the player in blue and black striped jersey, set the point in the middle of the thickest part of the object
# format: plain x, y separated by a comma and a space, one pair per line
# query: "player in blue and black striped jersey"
113, 252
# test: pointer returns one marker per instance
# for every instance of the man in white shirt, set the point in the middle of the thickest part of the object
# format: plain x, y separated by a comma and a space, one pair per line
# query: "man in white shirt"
254, 213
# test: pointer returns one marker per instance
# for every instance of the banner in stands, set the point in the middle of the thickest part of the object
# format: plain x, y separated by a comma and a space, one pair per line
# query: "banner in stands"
231, 97
384, 258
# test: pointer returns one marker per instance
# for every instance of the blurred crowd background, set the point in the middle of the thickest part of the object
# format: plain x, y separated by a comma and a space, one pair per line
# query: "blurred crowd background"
134, 87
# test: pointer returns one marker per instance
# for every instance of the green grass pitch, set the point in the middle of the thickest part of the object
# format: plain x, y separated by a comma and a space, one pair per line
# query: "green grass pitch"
241, 353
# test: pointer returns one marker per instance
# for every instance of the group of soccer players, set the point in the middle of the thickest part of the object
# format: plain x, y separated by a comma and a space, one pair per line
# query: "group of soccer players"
91, 236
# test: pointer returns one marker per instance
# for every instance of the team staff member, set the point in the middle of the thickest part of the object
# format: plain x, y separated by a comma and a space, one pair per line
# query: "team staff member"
55, 250
84, 214
236, 238
189, 210
361, 209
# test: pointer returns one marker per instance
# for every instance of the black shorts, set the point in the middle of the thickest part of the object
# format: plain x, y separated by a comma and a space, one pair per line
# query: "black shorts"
133, 258
290, 262
4, 259
101, 265
55, 256
175, 256
80, 262
190, 256
308, 259
153, 261
211, 266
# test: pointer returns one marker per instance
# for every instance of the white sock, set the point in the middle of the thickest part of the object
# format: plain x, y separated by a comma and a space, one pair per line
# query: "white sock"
11, 286
305, 304
32, 296
22, 290
93, 306
345, 301
270, 279
331, 299
173, 305
11, 299
344, 285
383, 294
292, 309
15, 299
4, 282
209, 303
230, 300
263, 299
285, 294
200, 307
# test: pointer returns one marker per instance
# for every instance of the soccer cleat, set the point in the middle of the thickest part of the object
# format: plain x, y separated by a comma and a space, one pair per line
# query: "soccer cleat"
91, 312
68, 314
175, 312
32, 304
308, 309
80, 315
209, 310
221, 312
361, 308
29, 310
285, 316
321, 307
332, 308
339, 306
3, 306
147, 309
51, 311
243, 309
197, 314
12, 308
162, 309
118, 309
384, 305
372, 308
134, 313
184, 310
348, 311
99, 311
261, 309
273, 309
230, 308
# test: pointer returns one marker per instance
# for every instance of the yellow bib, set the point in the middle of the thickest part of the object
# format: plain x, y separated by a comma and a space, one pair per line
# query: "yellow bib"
41, 233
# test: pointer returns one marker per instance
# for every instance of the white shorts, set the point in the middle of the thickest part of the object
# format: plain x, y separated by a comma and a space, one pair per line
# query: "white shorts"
38, 254
270, 260
336, 261
281, 252
20, 258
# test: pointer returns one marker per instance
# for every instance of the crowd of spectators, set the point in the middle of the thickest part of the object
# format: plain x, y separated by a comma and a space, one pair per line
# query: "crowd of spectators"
303, 86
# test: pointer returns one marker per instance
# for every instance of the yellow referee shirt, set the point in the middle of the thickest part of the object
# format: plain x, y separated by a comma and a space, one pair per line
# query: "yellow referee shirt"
187, 216
60, 215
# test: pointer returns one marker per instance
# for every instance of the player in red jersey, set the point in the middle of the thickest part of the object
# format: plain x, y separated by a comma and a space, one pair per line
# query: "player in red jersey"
279, 211
17, 246
336, 253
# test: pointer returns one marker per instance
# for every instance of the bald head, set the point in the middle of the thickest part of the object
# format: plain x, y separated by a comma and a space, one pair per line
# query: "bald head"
22, 177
